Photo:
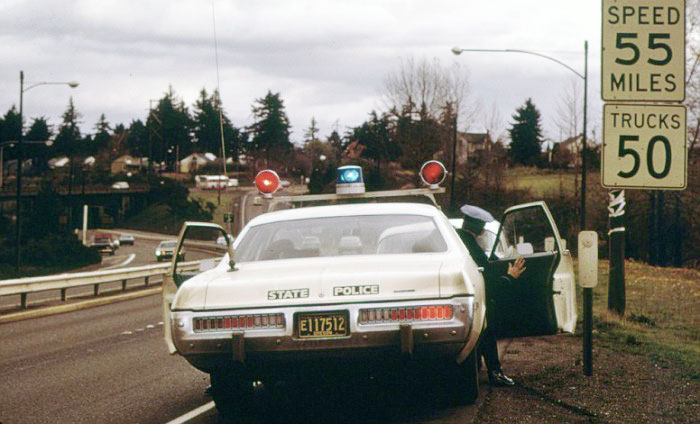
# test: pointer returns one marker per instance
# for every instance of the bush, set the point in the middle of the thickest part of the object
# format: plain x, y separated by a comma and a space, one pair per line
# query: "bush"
53, 250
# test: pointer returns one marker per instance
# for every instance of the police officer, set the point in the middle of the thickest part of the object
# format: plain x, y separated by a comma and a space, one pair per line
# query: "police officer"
473, 224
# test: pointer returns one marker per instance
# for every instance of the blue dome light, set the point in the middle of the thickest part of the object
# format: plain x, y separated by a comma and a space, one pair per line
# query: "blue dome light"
350, 176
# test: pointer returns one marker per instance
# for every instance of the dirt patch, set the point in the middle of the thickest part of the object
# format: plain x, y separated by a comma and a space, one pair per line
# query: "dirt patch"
624, 388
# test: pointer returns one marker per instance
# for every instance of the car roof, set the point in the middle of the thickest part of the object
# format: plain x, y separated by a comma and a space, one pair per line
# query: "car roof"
347, 210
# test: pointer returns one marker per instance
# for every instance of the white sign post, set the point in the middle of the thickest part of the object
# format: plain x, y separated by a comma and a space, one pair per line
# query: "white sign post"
644, 147
643, 50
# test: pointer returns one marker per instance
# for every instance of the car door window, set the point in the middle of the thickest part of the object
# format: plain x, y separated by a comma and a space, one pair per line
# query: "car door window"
527, 232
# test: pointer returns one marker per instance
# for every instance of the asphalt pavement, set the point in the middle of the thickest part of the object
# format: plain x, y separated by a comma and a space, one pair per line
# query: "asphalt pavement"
109, 364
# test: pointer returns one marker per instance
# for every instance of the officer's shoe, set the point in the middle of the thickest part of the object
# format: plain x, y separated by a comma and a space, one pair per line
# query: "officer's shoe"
498, 379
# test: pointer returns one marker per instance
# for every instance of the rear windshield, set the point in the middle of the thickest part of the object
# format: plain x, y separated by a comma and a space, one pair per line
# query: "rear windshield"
168, 244
339, 236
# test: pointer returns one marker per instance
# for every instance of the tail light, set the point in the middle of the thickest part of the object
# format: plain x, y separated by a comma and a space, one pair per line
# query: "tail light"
406, 314
238, 322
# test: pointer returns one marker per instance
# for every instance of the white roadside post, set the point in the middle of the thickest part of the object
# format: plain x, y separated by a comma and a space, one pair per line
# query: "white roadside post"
85, 224
588, 278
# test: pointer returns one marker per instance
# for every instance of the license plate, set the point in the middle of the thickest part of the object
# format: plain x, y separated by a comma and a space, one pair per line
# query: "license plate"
322, 324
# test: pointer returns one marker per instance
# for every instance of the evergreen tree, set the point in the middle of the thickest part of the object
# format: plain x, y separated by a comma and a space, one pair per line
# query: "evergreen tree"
419, 135
207, 126
68, 139
526, 135
336, 141
171, 124
137, 139
102, 137
271, 127
38, 131
375, 134
311, 133
11, 125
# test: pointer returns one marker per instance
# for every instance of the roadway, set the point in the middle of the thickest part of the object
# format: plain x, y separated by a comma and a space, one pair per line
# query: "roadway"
109, 364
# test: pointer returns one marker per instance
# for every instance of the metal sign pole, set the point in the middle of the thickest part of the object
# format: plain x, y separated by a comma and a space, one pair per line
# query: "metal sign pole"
588, 278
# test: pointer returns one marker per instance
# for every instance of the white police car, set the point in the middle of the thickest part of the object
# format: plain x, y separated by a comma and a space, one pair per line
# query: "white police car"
308, 288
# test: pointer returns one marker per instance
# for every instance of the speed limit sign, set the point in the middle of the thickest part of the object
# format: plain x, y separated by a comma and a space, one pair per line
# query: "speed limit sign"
643, 50
644, 146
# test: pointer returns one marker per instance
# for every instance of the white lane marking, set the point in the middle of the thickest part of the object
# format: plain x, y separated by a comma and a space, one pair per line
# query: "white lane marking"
149, 326
126, 262
193, 413
126, 333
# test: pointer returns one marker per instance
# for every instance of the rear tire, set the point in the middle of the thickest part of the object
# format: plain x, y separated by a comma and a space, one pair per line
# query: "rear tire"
465, 379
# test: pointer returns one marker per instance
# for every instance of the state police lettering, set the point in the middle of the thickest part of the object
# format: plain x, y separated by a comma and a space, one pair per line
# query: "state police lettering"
355, 290
287, 294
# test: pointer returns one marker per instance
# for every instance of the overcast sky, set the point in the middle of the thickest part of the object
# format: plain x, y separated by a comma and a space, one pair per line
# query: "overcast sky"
328, 59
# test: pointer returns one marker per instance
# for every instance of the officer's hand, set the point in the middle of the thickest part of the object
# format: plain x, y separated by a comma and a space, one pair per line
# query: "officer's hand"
516, 268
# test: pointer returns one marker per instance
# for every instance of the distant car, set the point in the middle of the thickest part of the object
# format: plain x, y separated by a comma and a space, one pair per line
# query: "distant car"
104, 243
221, 240
120, 185
232, 182
285, 183
165, 250
126, 239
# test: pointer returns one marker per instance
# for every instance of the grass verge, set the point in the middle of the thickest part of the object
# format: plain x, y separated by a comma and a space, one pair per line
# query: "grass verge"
662, 316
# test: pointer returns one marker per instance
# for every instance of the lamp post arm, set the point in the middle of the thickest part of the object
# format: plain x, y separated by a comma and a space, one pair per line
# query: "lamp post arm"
71, 84
458, 50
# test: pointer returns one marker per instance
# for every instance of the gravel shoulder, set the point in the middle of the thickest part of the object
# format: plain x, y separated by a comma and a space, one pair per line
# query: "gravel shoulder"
625, 387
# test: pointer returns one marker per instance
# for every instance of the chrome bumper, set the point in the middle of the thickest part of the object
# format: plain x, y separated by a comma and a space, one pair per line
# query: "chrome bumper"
206, 350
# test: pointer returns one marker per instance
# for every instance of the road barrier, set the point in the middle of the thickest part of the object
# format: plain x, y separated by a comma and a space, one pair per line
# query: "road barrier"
63, 282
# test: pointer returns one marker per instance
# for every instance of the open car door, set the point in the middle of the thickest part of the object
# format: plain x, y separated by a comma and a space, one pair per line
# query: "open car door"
203, 245
542, 300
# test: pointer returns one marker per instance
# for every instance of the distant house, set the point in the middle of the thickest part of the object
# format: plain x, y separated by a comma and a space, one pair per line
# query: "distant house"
126, 164
472, 145
195, 161
566, 153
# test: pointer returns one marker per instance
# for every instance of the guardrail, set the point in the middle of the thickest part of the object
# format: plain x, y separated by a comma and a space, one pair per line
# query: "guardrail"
63, 282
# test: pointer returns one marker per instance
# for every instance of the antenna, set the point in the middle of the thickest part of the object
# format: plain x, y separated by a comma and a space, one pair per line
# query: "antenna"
218, 90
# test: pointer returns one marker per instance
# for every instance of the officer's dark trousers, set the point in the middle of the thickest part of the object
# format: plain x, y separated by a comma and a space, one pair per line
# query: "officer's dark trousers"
489, 350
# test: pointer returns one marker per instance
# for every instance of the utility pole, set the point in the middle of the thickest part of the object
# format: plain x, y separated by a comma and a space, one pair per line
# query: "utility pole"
454, 162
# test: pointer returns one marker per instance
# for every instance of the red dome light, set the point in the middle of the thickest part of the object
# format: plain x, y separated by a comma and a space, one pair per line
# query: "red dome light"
433, 173
267, 181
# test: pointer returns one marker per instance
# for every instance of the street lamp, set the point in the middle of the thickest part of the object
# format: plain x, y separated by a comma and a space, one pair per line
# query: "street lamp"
584, 77
22, 89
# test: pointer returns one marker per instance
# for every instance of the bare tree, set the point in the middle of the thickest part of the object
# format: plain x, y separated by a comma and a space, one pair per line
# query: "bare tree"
426, 86
570, 109
692, 98
492, 121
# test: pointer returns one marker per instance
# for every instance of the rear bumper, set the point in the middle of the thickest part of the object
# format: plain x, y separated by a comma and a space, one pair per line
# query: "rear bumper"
271, 347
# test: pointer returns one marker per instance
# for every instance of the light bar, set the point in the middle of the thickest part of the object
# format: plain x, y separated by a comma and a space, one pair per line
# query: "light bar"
238, 322
406, 314
267, 182
433, 173
349, 180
